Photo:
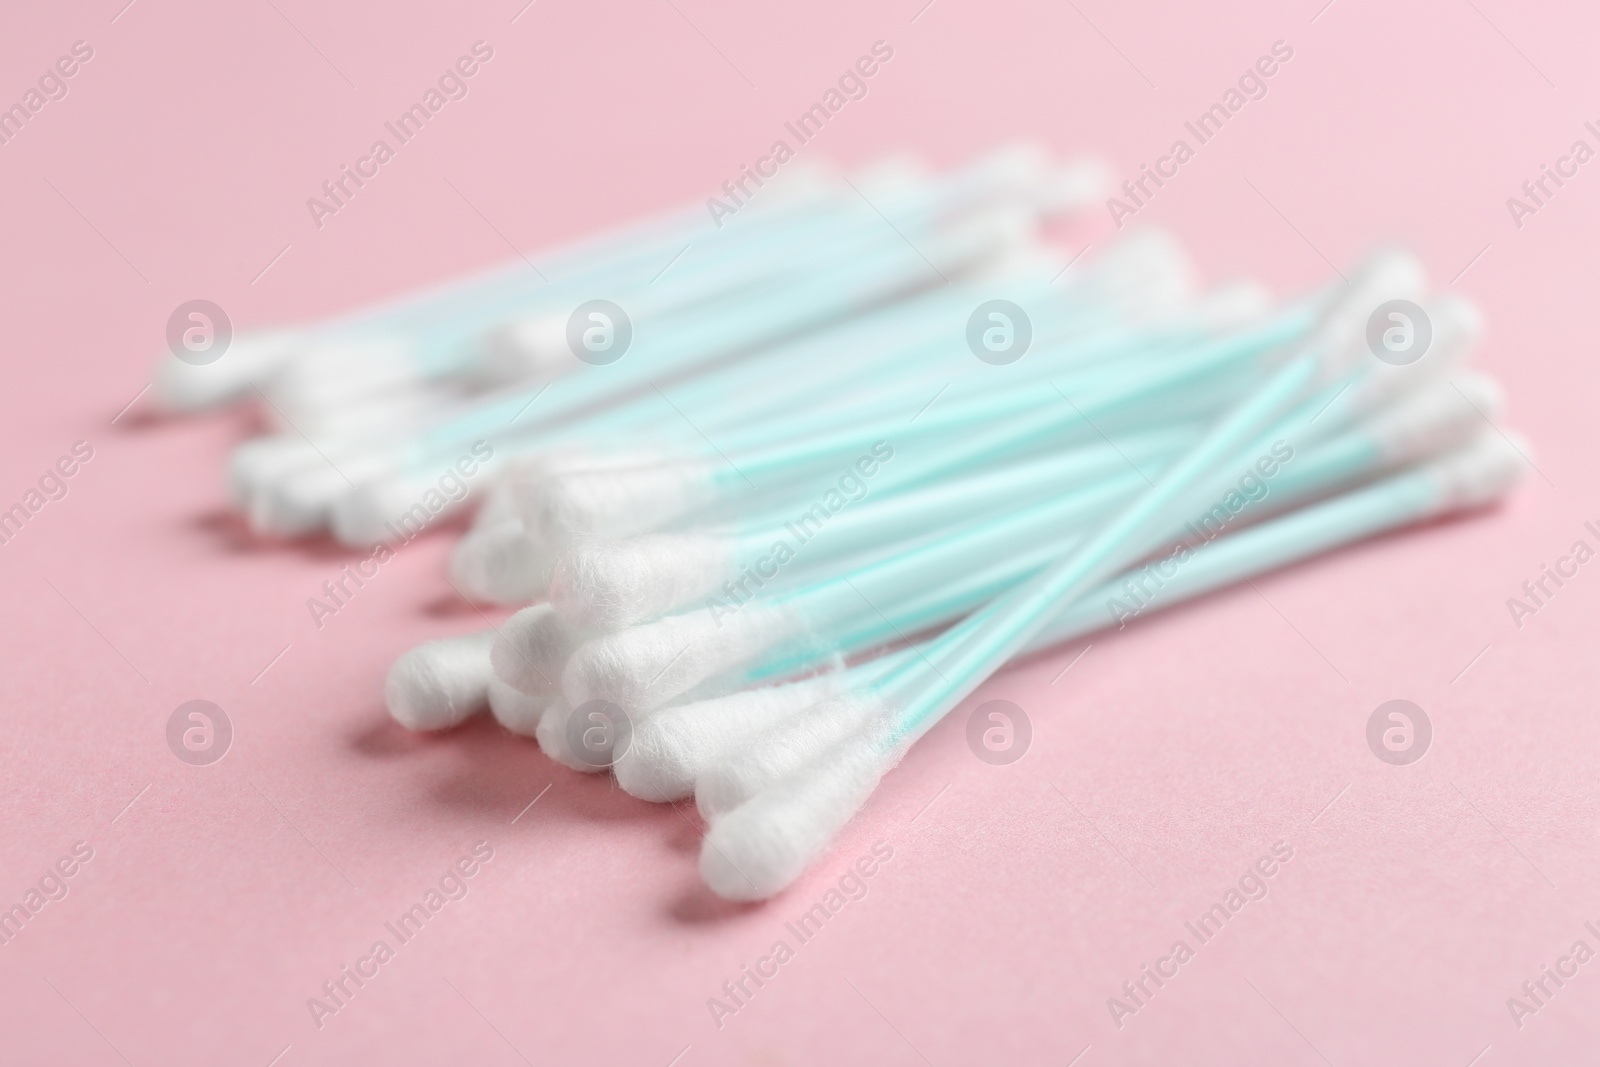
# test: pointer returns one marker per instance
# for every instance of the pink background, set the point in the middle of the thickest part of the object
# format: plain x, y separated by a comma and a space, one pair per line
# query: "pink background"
1019, 898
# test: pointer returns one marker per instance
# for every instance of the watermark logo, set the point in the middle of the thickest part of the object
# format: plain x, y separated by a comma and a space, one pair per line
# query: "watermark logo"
999, 732
450, 488
599, 332
1138, 192
199, 332
598, 733
1538, 592
51, 486
337, 192
52, 886
1251, 886
1399, 732
1399, 332
852, 487
1144, 587
1537, 993
50, 87
199, 732
999, 332
339, 991
1538, 192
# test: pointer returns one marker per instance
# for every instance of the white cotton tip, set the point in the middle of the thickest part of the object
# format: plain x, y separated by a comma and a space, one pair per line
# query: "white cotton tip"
524, 474
514, 709
551, 733
1075, 185
302, 501
780, 751
588, 737
183, 387
993, 233
521, 484
646, 666
387, 415
1480, 472
1457, 322
1018, 165
500, 564
262, 461
531, 650
674, 745
800, 180
297, 505
498, 505
1385, 274
1456, 325
1023, 263
580, 505
440, 683
891, 174
1146, 272
1388, 274
535, 343
395, 508
758, 849
529, 349
1440, 416
335, 372
1233, 305
605, 586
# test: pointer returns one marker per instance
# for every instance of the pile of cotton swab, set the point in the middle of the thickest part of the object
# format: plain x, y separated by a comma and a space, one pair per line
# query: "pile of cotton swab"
775, 498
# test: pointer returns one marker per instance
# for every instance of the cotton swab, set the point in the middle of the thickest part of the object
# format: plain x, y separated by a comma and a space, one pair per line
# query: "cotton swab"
536, 650
763, 844
514, 709
969, 651
1420, 428
1140, 271
644, 666
441, 683
1417, 428
536, 644
551, 666
357, 526
253, 358
496, 563
708, 264
384, 339
1006, 626
531, 650
303, 503
679, 652
1471, 475
672, 747
609, 585
383, 343
633, 500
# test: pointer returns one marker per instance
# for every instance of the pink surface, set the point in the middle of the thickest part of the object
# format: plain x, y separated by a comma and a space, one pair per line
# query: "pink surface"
1018, 899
